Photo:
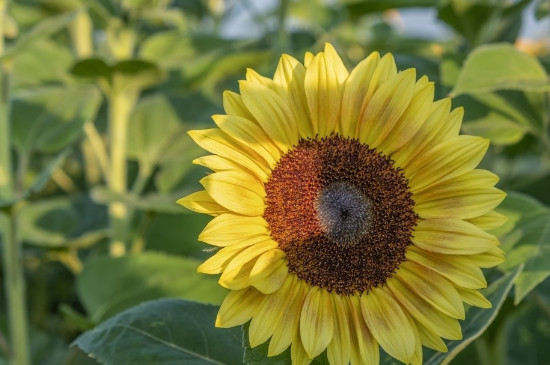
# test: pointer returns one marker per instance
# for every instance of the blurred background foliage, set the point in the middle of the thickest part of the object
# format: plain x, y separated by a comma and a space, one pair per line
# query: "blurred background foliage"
95, 102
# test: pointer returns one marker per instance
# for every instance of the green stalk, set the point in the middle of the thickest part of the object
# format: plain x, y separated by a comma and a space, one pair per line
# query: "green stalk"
15, 287
13, 265
80, 31
6, 180
121, 103
282, 35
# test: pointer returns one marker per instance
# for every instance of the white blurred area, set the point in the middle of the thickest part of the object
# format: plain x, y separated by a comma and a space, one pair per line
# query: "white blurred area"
416, 22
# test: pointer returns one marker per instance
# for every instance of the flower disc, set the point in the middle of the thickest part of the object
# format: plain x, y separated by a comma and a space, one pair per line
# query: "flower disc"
348, 211
341, 212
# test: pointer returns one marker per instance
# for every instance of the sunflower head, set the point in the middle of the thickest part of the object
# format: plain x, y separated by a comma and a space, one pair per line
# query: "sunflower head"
348, 211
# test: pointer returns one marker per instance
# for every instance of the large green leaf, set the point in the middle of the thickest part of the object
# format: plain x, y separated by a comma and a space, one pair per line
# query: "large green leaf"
166, 332
535, 251
48, 119
502, 116
360, 8
139, 278
477, 319
29, 69
42, 30
500, 67
154, 128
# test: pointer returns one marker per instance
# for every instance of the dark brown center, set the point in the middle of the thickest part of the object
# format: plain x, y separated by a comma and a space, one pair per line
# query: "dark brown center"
342, 212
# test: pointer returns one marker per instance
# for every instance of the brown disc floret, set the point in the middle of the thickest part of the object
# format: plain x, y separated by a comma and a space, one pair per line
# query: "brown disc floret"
342, 212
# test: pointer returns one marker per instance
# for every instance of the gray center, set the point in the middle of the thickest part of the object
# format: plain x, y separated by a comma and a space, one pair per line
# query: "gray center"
343, 212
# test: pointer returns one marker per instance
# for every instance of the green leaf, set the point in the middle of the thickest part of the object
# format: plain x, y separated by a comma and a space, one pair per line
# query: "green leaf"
154, 127
167, 49
500, 67
40, 181
133, 74
48, 119
536, 270
167, 332
139, 278
29, 69
155, 202
525, 335
503, 116
43, 29
477, 319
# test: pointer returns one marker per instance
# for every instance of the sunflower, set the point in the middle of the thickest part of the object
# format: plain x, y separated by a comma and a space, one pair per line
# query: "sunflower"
348, 211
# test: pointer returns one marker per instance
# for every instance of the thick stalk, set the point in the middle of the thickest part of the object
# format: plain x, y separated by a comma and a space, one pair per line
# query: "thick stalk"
15, 288
13, 265
282, 35
120, 105
81, 34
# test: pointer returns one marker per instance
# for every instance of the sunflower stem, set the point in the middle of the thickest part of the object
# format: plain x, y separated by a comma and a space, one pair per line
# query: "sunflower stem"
121, 103
282, 35
15, 290
13, 266
80, 31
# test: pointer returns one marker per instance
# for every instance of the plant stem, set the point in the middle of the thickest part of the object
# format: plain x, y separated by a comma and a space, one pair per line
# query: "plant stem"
80, 31
121, 103
6, 181
282, 35
13, 266
15, 288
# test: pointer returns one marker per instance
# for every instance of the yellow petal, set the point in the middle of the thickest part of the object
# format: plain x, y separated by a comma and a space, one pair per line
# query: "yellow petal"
449, 159
385, 108
364, 349
458, 269
464, 205
471, 180
323, 84
339, 349
316, 321
233, 105
489, 258
201, 202
238, 307
271, 113
287, 327
424, 313
237, 273
474, 297
428, 135
452, 236
253, 76
289, 77
432, 287
412, 119
250, 134
388, 324
230, 229
385, 70
217, 142
298, 353
266, 262
417, 356
272, 279
269, 313
218, 163
489, 220
430, 339
355, 90
219, 261
236, 191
